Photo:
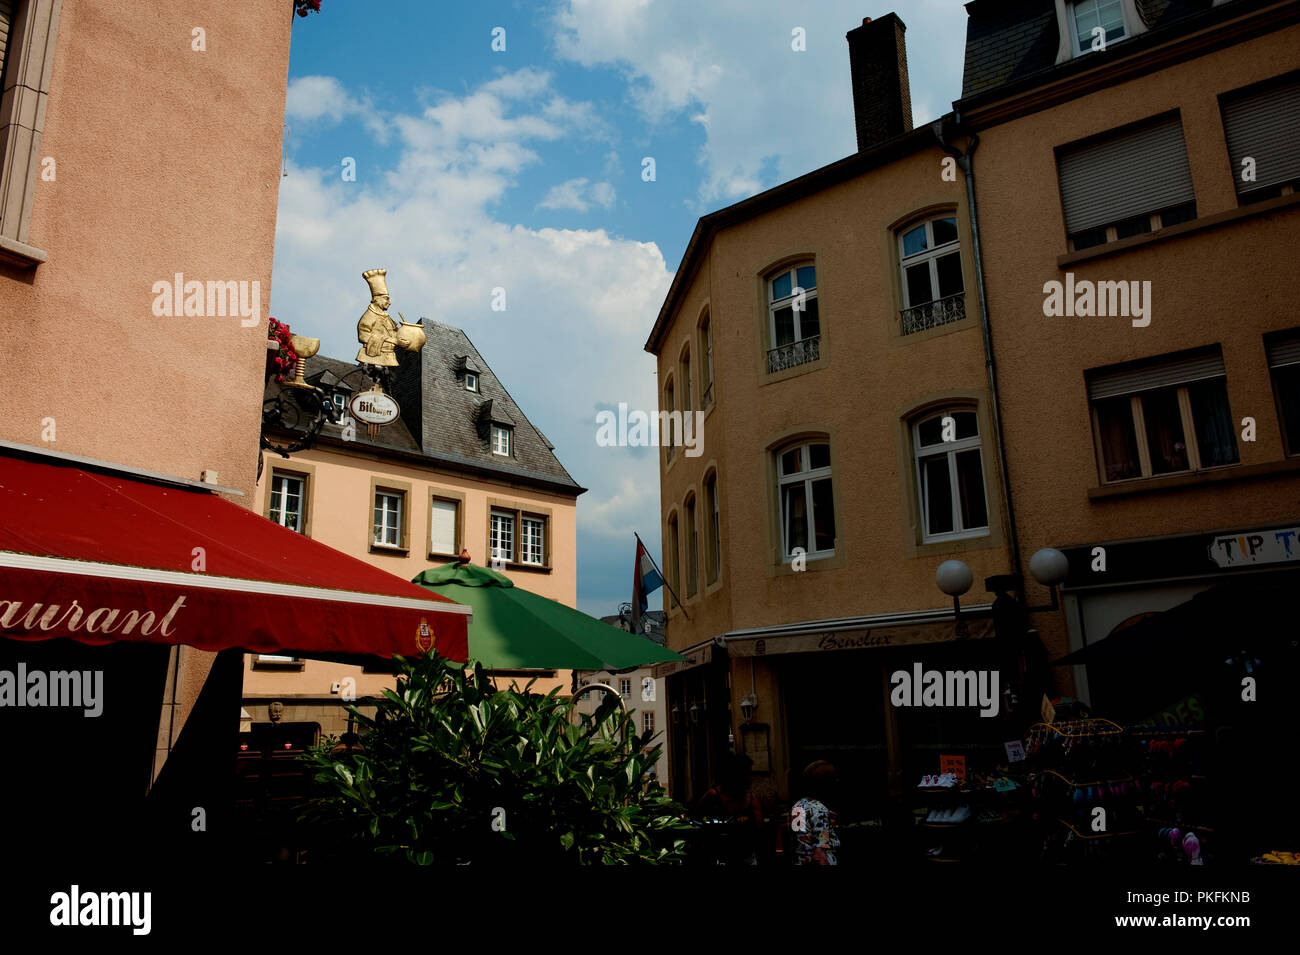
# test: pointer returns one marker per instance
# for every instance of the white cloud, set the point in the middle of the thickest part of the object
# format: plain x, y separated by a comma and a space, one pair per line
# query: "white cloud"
768, 113
322, 99
575, 195
580, 301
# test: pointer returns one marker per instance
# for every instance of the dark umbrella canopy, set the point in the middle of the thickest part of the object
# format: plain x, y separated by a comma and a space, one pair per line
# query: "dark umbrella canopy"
513, 628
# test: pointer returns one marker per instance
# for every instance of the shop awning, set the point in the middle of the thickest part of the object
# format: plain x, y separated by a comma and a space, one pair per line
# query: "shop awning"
96, 554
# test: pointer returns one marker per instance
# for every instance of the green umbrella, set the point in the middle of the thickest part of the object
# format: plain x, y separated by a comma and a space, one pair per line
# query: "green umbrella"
515, 628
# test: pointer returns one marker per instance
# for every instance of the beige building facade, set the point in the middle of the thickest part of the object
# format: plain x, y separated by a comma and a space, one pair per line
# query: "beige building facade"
830, 331
407, 504
1166, 162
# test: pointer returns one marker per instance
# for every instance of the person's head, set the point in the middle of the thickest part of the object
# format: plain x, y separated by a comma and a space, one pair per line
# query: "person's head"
734, 778
819, 780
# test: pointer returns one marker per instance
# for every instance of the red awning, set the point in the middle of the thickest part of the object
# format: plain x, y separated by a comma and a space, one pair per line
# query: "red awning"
101, 556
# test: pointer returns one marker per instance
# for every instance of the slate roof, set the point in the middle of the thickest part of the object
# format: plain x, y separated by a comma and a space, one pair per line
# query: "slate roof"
1009, 41
443, 424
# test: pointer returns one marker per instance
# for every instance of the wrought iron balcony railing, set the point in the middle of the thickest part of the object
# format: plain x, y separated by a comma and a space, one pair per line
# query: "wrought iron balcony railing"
941, 311
794, 354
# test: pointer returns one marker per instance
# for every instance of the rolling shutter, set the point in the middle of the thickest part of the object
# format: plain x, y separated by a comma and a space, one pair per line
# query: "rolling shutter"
1284, 350
1137, 172
1148, 377
1264, 124
443, 532
6, 18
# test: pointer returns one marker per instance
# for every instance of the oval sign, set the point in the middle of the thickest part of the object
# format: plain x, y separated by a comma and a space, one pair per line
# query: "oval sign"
374, 407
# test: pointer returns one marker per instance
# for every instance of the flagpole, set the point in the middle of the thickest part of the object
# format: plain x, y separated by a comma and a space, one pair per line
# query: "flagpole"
663, 577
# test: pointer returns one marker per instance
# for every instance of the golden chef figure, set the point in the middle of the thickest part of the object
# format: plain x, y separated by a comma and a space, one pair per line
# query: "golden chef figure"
376, 331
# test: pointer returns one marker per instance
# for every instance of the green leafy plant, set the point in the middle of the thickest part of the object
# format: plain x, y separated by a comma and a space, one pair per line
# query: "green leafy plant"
453, 771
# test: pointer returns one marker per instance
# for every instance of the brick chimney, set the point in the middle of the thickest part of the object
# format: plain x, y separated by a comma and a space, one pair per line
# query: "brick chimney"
882, 101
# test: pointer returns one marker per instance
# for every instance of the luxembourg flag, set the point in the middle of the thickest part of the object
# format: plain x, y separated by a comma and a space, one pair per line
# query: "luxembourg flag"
645, 579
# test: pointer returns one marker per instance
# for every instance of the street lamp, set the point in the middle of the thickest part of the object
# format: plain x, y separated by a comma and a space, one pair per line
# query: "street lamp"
1050, 568
954, 578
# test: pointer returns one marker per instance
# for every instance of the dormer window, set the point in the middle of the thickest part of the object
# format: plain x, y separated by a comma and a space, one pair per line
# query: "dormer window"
1088, 15
500, 440
340, 405
1083, 23
471, 381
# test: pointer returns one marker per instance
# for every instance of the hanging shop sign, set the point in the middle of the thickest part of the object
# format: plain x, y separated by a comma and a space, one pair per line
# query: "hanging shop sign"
1256, 547
374, 407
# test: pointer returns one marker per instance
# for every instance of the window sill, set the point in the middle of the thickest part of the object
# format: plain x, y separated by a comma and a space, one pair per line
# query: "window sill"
782, 567
531, 568
1183, 228
1232, 472
771, 378
13, 252
444, 558
295, 666
389, 549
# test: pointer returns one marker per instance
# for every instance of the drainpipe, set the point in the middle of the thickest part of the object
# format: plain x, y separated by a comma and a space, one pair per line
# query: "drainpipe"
967, 163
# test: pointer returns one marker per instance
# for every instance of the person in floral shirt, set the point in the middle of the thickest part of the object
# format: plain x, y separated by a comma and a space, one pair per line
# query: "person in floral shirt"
812, 822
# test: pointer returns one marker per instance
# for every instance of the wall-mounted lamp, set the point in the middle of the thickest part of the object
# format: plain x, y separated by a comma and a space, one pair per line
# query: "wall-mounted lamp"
954, 578
748, 705
695, 714
1050, 568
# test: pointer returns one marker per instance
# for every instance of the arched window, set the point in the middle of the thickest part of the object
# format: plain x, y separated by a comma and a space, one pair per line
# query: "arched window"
794, 322
668, 436
933, 290
807, 505
671, 559
692, 548
950, 474
706, 363
713, 532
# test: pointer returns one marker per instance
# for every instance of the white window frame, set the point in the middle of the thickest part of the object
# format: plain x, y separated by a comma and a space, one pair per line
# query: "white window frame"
381, 527
774, 305
807, 477
932, 253
340, 401
624, 687
648, 724
500, 440
471, 381
278, 505
527, 540
951, 449
434, 501
1191, 441
505, 520
1068, 30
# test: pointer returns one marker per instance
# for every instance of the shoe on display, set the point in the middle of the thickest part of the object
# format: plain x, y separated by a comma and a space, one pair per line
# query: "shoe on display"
960, 814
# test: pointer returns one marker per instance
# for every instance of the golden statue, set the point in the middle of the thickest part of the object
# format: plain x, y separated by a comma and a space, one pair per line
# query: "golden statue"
378, 334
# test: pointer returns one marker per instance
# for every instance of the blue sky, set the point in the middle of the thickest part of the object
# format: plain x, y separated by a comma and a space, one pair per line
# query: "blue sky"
522, 169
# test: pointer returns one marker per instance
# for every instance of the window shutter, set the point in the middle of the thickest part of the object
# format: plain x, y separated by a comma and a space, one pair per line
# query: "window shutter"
1136, 172
443, 531
6, 20
1179, 371
1262, 124
1284, 350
